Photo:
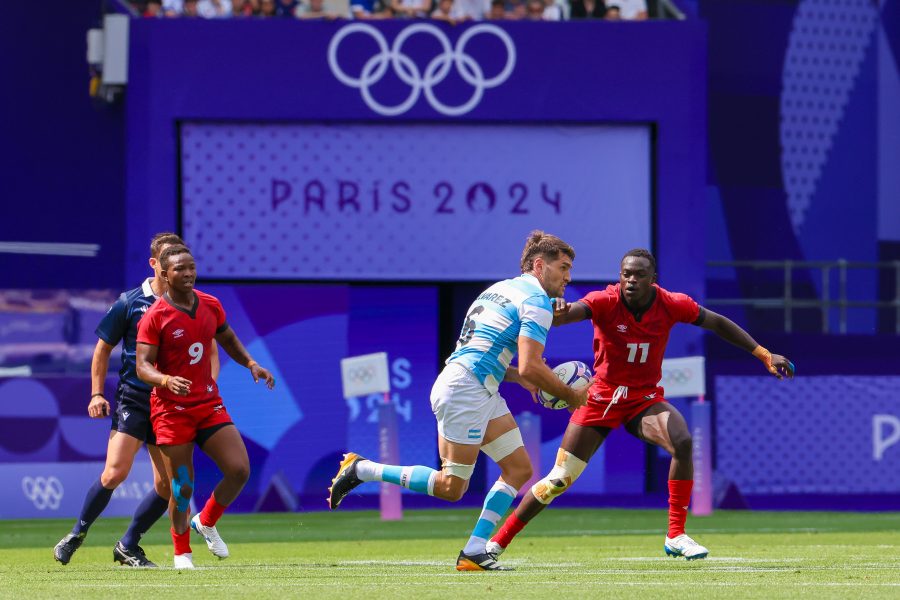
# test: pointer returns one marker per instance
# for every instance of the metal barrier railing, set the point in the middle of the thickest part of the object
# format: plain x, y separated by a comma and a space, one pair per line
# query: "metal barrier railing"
825, 303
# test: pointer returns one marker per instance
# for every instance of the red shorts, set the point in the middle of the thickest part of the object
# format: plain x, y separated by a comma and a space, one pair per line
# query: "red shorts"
175, 424
631, 403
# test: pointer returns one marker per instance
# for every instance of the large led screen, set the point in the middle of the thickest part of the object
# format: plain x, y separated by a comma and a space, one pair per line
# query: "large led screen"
414, 202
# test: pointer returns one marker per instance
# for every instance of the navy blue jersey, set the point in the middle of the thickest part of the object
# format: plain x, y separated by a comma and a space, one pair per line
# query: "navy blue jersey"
121, 324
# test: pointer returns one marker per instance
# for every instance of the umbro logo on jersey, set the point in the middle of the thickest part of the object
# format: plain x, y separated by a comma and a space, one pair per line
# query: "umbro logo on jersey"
622, 328
178, 333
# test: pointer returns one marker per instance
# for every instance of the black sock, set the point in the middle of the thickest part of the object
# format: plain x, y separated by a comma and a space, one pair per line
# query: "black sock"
148, 512
94, 502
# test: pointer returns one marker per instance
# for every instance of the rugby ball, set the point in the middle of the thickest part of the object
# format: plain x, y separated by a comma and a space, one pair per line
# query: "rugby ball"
574, 374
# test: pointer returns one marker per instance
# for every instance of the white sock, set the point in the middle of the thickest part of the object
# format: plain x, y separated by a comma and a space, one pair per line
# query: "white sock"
367, 470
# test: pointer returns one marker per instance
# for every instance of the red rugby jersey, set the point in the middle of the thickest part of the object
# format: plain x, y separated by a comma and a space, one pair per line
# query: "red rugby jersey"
183, 340
628, 351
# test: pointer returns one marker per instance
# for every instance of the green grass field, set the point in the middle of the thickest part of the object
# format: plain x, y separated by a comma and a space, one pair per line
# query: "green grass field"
566, 553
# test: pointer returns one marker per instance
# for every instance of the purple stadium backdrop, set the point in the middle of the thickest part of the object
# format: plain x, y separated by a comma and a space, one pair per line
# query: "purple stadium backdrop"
798, 124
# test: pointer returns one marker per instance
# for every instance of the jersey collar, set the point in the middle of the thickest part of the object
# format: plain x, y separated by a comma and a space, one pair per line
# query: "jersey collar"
147, 288
638, 314
534, 280
192, 313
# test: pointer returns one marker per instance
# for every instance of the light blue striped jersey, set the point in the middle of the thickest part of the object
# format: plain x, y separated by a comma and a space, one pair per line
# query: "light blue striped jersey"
503, 312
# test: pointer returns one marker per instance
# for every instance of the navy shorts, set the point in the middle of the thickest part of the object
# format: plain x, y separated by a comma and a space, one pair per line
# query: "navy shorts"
132, 415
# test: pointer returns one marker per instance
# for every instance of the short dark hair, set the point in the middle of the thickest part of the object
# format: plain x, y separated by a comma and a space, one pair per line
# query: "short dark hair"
642, 253
166, 238
544, 245
171, 252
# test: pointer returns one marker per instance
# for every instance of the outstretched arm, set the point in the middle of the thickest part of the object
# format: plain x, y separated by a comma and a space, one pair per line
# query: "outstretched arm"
731, 332
230, 343
565, 313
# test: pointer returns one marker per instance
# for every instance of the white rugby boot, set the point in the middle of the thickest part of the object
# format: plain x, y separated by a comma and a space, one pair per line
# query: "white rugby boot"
683, 545
214, 542
184, 561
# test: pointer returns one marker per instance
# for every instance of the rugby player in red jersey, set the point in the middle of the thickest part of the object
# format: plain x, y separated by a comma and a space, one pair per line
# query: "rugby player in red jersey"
173, 345
632, 321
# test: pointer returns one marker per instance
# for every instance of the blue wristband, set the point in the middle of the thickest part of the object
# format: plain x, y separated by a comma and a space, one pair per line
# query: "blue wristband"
793, 370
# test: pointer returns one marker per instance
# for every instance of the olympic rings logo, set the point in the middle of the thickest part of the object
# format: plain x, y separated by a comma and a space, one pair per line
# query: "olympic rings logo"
44, 492
408, 72
361, 374
677, 375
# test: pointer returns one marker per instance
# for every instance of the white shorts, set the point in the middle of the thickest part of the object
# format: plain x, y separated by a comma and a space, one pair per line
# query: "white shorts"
463, 406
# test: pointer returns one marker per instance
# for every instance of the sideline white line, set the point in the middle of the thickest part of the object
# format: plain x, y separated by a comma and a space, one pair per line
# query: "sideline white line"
379, 585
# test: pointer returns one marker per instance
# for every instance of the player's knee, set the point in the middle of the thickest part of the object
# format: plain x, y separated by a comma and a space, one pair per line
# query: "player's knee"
683, 447
453, 480
112, 477
239, 473
162, 488
567, 469
516, 468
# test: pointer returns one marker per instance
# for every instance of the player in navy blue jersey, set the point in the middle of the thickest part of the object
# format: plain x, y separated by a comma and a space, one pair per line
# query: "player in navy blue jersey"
130, 422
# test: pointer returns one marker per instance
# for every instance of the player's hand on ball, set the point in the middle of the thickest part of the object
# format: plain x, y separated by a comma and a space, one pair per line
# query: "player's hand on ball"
257, 371
580, 397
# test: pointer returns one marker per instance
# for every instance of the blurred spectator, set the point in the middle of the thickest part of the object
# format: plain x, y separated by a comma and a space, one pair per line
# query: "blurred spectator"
190, 8
411, 9
172, 8
267, 8
534, 10
369, 9
153, 9
286, 8
587, 9
443, 11
214, 9
244, 8
315, 9
628, 10
516, 10
553, 11
470, 9
497, 11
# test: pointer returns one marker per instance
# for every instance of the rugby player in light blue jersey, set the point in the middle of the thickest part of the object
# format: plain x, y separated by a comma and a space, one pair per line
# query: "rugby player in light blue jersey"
511, 316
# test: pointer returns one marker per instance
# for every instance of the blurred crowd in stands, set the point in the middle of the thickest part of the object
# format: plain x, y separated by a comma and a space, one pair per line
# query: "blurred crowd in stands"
445, 10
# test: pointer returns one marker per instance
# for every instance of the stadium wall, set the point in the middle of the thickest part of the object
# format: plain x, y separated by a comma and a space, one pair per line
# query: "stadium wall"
751, 211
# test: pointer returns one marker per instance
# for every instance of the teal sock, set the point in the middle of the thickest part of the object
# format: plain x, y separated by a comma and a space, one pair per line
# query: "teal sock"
417, 478
496, 503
